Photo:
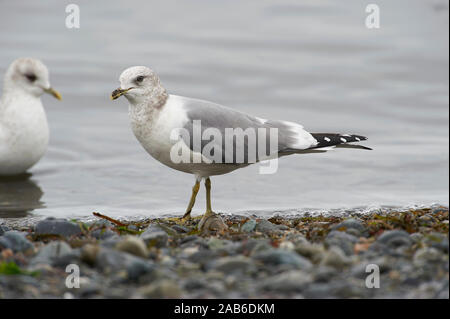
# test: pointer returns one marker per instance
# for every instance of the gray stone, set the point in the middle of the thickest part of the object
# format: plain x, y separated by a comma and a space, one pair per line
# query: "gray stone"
336, 289
344, 241
16, 241
438, 241
181, 229
3, 229
50, 253
277, 257
395, 238
424, 256
313, 252
416, 237
112, 261
164, 288
352, 226
287, 282
427, 220
133, 245
234, 265
325, 273
297, 239
102, 233
336, 258
204, 256
248, 226
57, 226
264, 226
154, 236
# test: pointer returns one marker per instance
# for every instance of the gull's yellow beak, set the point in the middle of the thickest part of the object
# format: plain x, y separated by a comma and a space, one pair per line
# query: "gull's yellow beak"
54, 93
118, 93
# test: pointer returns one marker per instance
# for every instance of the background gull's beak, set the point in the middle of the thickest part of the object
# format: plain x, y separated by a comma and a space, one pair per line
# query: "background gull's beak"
53, 92
118, 93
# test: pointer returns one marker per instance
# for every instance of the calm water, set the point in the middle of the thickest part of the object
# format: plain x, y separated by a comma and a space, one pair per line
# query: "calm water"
315, 63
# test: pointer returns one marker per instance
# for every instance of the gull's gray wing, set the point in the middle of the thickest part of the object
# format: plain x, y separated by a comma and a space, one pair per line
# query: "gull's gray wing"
242, 146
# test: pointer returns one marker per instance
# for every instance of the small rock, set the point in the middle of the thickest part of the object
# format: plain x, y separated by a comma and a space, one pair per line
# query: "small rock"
281, 257
297, 239
325, 273
424, 256
57, 226
89, 253
395, 238
287, 282
264, 226
3, 229
212, 224
313, 252
336, 258
427, 220
154, 236
113, 261
164, 288
50, 253
102, 233
344, 241
416, 237
16, 241
248, 226
287, 245
437, 240
181, 229
133, 245
234, 265
352, 226
204, 257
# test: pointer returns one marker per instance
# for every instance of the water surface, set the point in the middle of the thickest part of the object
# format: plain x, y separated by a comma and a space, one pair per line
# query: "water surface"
313, 62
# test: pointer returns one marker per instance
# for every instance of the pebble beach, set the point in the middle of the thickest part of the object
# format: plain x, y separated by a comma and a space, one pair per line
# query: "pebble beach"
312, 256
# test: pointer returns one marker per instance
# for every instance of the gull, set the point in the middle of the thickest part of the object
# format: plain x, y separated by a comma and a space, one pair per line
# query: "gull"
24, 132
157, 117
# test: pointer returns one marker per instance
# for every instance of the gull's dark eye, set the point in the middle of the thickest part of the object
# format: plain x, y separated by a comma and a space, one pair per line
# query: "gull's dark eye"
140, 78
31, 77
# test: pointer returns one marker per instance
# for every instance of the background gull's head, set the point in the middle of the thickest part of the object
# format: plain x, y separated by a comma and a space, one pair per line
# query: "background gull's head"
29, 76
139, 84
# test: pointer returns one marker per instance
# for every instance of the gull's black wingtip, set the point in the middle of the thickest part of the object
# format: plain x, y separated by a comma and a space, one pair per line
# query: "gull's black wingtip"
339, 140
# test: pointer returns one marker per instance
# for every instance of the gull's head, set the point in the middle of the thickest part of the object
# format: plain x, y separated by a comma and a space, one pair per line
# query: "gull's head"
30, 76
137, 84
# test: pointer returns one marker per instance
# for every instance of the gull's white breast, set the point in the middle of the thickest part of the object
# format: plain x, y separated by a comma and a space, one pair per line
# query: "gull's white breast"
24, 133
153, 129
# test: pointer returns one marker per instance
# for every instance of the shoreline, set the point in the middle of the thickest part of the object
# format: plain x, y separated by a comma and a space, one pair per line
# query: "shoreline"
315, 256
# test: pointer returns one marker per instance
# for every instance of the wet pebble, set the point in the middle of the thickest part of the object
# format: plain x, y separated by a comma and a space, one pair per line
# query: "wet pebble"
276, 257
249, 226
395, 238
344, 241
57, 226
133, 245
16, 241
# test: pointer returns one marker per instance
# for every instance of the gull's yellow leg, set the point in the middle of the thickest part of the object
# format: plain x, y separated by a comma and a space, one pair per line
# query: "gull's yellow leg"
208, 197
195, 189
215, 221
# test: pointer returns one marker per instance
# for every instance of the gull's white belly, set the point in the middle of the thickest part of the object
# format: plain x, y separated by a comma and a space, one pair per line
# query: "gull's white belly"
153, 130
24, 139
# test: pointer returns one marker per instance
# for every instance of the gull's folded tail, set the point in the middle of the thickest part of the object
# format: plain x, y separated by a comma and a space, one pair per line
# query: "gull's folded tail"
338, 140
